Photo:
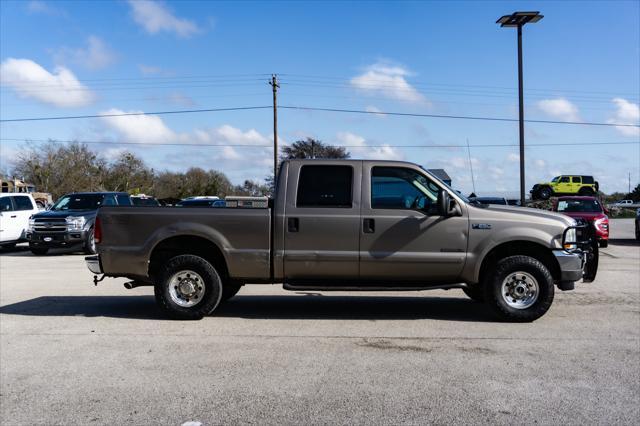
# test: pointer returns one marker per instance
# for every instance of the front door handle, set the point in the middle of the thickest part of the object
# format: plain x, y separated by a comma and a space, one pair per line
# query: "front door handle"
369, 226
14, 216
293, 224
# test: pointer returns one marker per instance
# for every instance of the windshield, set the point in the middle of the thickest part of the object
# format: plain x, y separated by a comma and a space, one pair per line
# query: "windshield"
578, 206
78, 202
555, 179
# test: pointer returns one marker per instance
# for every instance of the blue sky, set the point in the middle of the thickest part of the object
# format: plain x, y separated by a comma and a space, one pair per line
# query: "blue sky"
581, 63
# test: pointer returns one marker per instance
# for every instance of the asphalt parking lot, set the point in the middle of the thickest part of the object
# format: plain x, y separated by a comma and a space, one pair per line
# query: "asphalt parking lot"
72, 353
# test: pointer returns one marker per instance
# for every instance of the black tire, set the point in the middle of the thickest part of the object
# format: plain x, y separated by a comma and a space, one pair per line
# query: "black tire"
8, 246
585, 191
210, 298
229, 290
545, 193
475, 293
505, 268
38, 251
89, 245
603, 243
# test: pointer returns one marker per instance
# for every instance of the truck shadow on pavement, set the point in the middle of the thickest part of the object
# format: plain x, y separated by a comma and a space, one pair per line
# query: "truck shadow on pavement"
624, 242
310, 306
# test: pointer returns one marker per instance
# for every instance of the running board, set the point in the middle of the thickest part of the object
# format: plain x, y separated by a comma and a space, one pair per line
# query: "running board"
312, 287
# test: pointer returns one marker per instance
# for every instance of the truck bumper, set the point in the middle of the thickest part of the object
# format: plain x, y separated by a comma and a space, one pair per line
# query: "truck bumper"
93, 263
56, 239
571, 265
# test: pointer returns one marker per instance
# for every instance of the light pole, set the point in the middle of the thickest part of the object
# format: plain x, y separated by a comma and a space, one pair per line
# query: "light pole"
519, 19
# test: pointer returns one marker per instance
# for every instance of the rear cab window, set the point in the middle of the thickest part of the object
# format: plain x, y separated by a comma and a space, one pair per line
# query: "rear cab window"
588, 180
325, 186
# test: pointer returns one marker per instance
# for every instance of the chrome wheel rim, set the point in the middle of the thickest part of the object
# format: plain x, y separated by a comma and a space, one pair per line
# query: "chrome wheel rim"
186, 288
520, 290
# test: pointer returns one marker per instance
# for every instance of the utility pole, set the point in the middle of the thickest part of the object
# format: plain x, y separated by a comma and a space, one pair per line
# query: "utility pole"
313, 148
629, 183
275, 86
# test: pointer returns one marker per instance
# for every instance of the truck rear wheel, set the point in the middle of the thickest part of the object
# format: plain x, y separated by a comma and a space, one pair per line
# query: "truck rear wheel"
520, 290
89, 246
188, 288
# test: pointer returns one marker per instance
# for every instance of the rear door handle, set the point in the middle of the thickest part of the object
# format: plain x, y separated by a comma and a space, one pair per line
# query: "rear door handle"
368, 226
14, 216
293, 224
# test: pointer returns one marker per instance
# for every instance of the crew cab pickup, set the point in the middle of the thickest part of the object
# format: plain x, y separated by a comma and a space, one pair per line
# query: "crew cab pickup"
345, 225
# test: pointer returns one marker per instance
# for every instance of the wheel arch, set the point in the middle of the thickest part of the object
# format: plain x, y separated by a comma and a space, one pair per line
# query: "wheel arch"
188, 244
523, 248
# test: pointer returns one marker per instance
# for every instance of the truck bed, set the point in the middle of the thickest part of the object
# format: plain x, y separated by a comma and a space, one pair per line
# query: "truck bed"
130, 235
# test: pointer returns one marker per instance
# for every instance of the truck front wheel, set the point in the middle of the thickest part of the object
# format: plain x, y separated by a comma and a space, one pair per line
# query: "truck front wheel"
188, 287
520, 289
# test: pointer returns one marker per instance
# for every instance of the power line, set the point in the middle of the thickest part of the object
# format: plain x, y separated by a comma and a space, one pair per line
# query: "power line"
151, 144
126, 114
306, 108
457, 117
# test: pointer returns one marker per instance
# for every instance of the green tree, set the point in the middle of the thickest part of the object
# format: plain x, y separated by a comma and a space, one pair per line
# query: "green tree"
130, 174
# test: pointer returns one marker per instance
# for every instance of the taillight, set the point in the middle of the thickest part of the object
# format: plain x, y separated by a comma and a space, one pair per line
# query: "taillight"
97, 231
602, 223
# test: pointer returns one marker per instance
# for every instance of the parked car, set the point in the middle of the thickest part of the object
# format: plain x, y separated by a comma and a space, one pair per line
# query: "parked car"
144, 200
490, 200
589, 210
623, 203
638, 224
15, 211
565, 185
69, 222
345, 225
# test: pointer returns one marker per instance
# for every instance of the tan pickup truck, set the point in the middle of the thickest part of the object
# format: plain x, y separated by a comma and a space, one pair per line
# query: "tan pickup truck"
346, 225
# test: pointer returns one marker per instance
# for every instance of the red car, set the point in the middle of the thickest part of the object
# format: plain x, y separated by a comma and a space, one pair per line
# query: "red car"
590, 210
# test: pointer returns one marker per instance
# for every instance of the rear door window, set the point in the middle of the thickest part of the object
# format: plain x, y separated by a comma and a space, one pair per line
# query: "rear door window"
23, 203
325, 186
5, 204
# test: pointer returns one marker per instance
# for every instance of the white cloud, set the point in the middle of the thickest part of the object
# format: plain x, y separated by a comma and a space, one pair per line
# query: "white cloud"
243, 154
358, 145
30, 80
513, 158
626, 113
559, 108
138, 128
389, 81
376, 110
96, 55
154, 17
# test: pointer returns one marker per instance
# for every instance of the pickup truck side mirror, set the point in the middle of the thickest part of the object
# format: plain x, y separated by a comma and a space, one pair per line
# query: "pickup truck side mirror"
444, 205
